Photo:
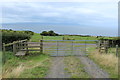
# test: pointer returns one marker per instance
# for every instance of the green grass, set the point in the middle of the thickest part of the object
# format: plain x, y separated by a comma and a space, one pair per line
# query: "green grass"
32, 66
75, 68
36, 37
112, 51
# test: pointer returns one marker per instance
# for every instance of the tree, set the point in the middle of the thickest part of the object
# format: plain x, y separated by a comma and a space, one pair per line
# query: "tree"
44, 33
49, 33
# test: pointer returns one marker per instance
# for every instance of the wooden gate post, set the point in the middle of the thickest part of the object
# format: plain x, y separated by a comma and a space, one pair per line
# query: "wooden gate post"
41, 46
14, 48
26, 46
106, 46
98, 44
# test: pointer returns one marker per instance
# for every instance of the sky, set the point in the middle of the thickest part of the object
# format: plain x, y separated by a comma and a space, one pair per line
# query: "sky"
94, 18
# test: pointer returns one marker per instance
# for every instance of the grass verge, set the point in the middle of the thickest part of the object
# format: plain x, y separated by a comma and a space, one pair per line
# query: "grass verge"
32, 66
75, 68
109, 62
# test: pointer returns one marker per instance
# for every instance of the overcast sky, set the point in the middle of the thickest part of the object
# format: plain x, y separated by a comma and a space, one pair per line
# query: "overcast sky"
97, 15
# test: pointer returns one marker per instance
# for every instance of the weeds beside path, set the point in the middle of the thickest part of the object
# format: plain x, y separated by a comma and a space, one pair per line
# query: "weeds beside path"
35, 66
108, 62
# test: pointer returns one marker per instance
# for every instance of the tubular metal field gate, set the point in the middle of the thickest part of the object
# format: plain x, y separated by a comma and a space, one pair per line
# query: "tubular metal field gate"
67, 47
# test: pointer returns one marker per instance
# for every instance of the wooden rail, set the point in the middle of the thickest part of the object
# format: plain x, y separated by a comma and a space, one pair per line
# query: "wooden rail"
105, 45
22, 47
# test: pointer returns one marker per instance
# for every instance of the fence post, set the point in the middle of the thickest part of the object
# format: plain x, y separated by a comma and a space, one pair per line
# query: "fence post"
116, 50
106, 46
98, 44
26, 46
14, 47
41, 46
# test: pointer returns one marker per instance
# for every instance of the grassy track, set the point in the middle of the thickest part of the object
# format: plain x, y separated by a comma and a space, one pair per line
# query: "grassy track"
34, 66
108, 62
75, 67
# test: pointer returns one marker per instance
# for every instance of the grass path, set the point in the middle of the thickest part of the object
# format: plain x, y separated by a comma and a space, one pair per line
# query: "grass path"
93, 69
75, 67
78, 67
57, 69
108, 62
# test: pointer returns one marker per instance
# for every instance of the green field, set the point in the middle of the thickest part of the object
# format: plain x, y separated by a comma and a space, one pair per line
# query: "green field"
36, 37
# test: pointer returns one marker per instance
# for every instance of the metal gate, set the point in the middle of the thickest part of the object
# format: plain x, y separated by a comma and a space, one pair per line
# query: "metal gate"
67, 47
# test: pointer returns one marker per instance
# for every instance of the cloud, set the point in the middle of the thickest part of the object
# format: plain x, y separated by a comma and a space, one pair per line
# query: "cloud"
82, 14
59, 1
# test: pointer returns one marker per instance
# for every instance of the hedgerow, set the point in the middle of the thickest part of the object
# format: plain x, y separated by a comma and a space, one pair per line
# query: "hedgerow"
9, 36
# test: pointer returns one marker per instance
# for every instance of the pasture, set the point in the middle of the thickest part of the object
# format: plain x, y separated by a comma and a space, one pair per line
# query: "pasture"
36, 37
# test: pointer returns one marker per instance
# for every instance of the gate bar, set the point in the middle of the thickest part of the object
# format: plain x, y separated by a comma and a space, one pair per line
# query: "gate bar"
70, 40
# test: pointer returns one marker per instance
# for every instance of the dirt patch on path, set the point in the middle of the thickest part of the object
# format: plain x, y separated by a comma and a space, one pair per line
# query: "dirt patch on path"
57, 69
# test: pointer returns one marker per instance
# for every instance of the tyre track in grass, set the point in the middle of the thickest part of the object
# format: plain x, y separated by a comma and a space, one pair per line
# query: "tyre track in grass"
57, 69
91, 68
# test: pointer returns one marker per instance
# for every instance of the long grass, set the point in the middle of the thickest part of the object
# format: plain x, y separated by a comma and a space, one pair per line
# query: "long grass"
108, 62
32, 66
